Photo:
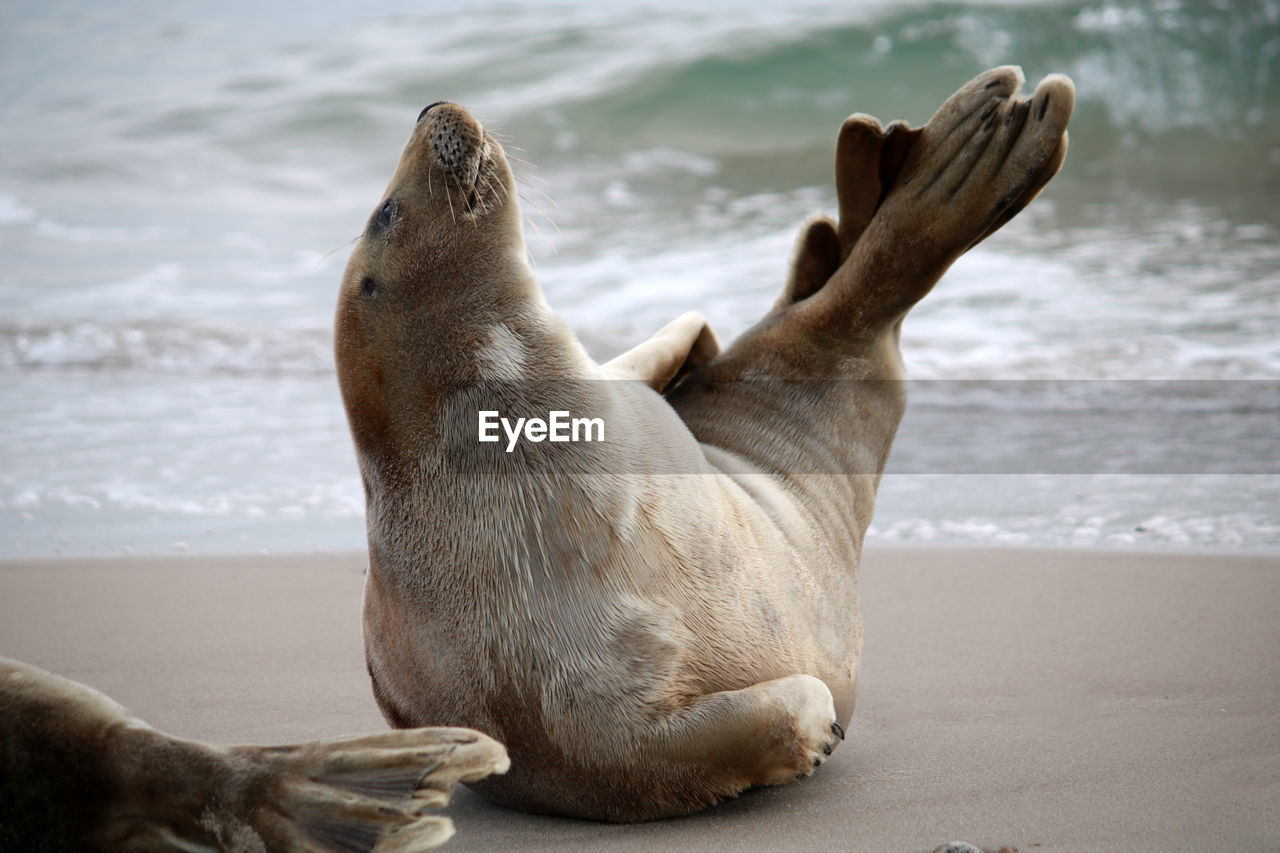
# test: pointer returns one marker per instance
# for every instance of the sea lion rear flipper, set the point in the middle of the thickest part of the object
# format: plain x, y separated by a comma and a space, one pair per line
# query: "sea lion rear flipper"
1051, 166
868, 160
942, 189
817, 255
681, 346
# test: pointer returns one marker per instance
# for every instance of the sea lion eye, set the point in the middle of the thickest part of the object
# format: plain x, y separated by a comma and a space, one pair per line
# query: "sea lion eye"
385, 214
368, 286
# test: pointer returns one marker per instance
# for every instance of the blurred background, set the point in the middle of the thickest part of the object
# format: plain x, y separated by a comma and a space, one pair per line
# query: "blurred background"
181, 183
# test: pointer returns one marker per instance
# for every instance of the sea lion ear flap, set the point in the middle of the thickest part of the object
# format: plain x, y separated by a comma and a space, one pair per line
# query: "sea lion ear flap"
817, 257
869, 159
674, 351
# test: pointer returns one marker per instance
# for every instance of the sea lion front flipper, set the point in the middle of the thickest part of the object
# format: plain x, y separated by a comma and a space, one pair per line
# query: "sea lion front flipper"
372, 790
77, 773
681, 346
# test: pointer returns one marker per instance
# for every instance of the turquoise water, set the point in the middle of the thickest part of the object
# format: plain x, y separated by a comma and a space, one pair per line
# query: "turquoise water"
179, 186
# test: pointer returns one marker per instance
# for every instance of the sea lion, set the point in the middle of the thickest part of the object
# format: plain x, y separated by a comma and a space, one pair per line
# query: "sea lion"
657, 621
77, 773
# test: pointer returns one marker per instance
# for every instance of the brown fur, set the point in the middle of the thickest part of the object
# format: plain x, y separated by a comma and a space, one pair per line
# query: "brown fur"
657, 622
78, 774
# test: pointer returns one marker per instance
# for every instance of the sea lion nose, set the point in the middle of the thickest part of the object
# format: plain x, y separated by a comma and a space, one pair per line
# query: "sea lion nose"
428, 108
453, 139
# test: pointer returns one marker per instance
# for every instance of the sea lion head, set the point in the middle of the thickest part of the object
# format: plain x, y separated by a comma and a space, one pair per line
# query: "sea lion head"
440, 266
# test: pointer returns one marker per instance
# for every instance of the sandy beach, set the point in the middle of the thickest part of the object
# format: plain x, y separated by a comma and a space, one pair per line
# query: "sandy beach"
1045, 700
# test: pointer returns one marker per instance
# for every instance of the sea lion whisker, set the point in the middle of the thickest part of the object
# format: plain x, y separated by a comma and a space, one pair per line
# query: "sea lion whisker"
528, 180
538, 208
542, 235
540, 191
521, 160
498, 188
337, 249
509, 147
525, 171
531, 181
545, 197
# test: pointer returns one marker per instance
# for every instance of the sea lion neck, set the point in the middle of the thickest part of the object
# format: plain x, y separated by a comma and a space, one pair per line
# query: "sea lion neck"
439, 295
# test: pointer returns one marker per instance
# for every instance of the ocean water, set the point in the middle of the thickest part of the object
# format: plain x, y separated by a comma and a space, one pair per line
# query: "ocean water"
180, 184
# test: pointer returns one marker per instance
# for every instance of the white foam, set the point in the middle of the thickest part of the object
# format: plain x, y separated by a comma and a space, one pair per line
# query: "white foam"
668, 160
171, 347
